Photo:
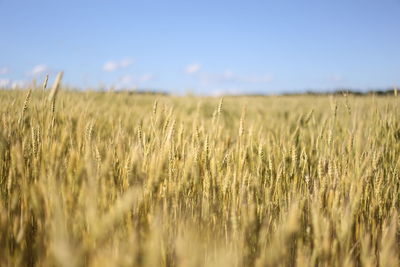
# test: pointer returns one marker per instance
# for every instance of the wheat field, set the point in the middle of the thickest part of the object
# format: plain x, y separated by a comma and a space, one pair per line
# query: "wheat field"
117, 179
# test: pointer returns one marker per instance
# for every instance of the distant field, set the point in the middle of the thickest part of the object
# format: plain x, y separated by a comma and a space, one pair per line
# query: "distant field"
106, 179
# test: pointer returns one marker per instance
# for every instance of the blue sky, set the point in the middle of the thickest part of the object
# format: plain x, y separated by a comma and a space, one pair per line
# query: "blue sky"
203, 46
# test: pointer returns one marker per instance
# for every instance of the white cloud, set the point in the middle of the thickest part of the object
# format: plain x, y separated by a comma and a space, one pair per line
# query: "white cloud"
18, 84
257, 78
336, 78
229, 76
126, 62
4, 83
126, 79
4, 70
111, 66
146, 77
226, 91
8, 83
132, 81
39, 69
192, 68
